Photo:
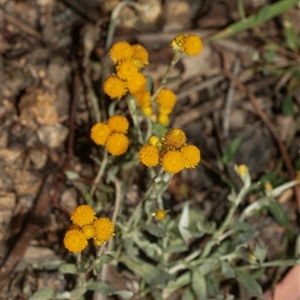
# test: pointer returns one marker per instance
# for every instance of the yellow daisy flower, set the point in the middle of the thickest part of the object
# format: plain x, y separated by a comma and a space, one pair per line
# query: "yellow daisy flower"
160, 214
126, 69
137, 83
75, 240
115, 87
88, 231
120, 51
147, 110
118, 123
192, 44
82, 215
149, 155
174, 138
191, 156
140, 56
117, 144
166, 99
154, 140
173, 161
143, 98
177, 42
242, 170
163, 119
98, 242
100, 133
104, 229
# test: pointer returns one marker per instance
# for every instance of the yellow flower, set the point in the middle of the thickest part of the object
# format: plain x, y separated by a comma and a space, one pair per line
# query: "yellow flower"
174, 138
82, 215
172, 161
137, 83
140, 56
149, 155
88, 231
163, 119
191, 156
166, 99
100, 133
268, 186
143, 98
118, 123
120, 51
104, 229
242, 170
75, 240
114, 87
98, 242
154, 140
192, 44
177, 42
147, 110
160, 214
117, 144
126, 69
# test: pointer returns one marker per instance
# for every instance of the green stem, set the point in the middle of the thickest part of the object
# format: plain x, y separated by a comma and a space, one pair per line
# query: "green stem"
100, 173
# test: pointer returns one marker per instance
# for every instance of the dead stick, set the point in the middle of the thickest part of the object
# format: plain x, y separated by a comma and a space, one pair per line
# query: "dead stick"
21, 25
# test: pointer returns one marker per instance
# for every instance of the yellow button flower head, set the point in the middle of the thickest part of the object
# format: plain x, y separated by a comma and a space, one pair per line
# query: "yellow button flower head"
117, 144
174, 138
104, 229
118, 123
163, 119
98, 242
140, 56
154, 140
115, 87
149, 155
137, 83
120, 51
88, 231
172, 161
177, 42
126, 69
143, 98
242, 170
160, 214
82, 215
100, 133
147, 110
191, 156
166, 98
75, 241
192, 44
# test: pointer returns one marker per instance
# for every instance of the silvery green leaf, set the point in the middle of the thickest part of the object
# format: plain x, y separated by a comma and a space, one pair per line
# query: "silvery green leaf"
48, 265
180, 281
260, 253
101, 287
124, 294
199, 284
68, 269
71, 175
184, 223
251, 286
156, 230
227, 270
43, 295
187, 294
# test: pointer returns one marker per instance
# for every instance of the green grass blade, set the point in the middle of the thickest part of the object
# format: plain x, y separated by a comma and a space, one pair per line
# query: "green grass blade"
266, 13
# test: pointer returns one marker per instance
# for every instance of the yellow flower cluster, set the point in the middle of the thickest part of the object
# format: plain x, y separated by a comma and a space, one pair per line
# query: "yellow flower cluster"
171, 151
86, 226
187, 43
129, 59
112, 134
